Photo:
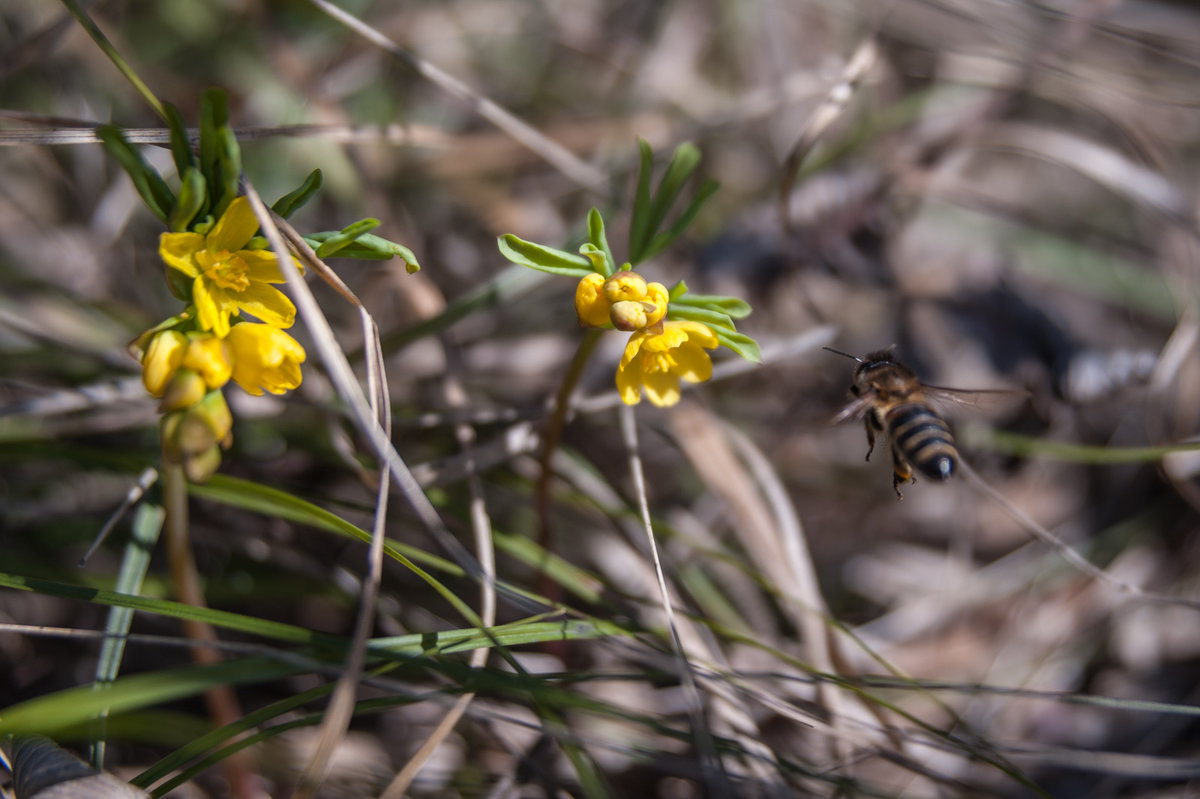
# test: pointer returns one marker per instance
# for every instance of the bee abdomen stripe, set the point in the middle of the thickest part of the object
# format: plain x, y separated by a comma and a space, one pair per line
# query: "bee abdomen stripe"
924, 438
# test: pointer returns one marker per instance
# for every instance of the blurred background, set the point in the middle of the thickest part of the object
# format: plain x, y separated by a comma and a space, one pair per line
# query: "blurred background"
1005, 191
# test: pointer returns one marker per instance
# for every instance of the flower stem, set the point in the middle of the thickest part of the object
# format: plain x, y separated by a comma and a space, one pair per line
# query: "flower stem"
562, 407
222, 703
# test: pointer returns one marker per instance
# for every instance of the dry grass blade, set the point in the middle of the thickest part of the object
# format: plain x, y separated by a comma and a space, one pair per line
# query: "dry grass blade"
835, 102
481, 527
557, 155
714, 777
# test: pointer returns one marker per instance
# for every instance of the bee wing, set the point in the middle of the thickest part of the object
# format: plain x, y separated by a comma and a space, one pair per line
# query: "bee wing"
857, 409
988, 400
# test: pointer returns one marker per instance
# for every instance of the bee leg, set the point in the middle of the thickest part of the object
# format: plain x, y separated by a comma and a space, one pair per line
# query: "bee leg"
901, 473
870, 437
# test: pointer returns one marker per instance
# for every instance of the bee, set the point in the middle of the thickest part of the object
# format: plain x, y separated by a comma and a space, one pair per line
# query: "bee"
891, 400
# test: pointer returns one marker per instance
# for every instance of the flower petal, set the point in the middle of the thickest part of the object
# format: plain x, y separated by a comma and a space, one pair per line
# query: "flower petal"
265, 357
692, 363
267, 304
235, 227
629, 383
179, 250
662, 388
632, 348
212, 307
263, 265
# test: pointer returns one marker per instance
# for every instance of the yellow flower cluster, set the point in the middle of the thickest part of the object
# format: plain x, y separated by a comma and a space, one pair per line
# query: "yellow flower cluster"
188, 364
660, 352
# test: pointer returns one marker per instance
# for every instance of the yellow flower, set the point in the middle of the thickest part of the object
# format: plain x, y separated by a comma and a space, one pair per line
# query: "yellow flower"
265, 357
656, 359
227, 279
590, 303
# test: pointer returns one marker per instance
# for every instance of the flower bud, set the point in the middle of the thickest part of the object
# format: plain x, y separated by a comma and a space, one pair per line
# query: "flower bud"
625, 286
162, 359
185, 390
630, 315
590, 303
209, 356
659, 297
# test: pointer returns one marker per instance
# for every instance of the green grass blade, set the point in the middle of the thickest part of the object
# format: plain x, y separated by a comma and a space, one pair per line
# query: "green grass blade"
147, 524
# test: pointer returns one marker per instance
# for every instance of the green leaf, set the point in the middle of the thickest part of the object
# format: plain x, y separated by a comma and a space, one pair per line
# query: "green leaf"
181, 148
662, 240
272, 502
214, 114
368, 247
192, 197
732, 306
346, 236
599, 241
147, 524
294, 200
638, 225
149, 184
740, 343
709, 316
543, 258
47, 714
229, 168
650, 211
164, 607
596, 256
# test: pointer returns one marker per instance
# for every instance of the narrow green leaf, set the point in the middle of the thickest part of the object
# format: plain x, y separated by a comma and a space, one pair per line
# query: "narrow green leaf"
147, 524
149, 184
639, 233
294, 200
734, 307
214, 114
708, 316
346, 236
193, 195
164, 607
229, 168
368, 247
683, 163
543, 258
599, 240
47, 714
596, 256
181, 148
678, 291
665, 238
243, 493
586, 586
740, 343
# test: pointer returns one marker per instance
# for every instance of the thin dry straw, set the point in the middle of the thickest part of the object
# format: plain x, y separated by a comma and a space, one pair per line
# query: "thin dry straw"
341, 705
712, 769
343, 379
557, 155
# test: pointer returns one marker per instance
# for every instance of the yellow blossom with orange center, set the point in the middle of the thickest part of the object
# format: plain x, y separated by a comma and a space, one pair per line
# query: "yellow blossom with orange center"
657, 358
228, 279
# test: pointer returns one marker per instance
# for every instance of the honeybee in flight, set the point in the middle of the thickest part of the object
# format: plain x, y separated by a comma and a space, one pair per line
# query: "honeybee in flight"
891, 400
